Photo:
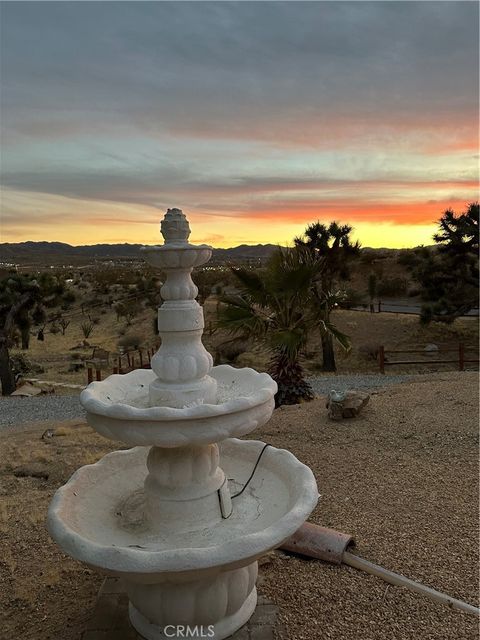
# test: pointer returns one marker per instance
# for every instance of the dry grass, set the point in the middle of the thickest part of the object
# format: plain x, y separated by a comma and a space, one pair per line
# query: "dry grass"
402, 478
54, 354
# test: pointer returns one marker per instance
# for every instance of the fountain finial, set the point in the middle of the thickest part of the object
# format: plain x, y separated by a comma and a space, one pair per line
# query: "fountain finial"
174, 227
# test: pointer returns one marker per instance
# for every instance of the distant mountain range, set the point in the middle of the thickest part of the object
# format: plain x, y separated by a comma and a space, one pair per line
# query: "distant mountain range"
20, 252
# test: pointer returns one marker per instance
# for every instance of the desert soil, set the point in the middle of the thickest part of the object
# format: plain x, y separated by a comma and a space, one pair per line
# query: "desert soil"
402, 478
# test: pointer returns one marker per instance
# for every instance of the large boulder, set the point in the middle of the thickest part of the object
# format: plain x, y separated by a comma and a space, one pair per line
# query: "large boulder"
346, 404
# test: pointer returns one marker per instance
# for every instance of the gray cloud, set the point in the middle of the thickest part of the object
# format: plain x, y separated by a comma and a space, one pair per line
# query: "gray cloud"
174, 65
308, 73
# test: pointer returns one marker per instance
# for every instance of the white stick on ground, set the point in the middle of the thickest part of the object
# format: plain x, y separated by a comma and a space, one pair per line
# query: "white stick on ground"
402, 581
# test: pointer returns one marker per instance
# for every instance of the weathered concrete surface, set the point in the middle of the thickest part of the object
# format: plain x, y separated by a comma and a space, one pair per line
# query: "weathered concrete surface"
110, 621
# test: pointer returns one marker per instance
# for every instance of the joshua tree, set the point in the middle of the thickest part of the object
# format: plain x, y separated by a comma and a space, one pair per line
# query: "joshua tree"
20, 297
275, 305
448, 273
63, 322
332, 247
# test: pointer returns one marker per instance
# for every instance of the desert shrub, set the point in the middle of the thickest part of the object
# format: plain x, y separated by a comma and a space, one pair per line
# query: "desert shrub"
95, 319
21, 365
407, 258
54, 328
392, 287
130, 315
130, 341
77, 362
352, 298
125, 310
87, 328
69, 297
230, 350
369, 351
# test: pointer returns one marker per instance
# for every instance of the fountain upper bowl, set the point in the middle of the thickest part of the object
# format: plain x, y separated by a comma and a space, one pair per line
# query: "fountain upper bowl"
117, 408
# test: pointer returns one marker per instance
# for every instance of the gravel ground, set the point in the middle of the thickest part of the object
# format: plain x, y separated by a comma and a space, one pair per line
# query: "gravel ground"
322, 385
18, 411
402, 478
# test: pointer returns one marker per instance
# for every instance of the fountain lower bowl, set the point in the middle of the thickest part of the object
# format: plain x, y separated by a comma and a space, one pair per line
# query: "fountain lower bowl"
86, 519
117, 408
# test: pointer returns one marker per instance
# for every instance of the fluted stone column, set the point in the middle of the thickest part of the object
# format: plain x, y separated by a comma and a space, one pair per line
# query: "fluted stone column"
182, 363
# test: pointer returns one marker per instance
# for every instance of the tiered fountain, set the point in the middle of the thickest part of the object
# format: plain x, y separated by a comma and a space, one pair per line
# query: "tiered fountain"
179, 517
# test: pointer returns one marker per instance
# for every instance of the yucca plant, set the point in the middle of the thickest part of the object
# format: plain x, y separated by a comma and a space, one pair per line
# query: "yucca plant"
275, 305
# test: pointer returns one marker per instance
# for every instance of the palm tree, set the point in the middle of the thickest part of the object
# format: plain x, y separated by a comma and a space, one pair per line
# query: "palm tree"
332, 247
275, 305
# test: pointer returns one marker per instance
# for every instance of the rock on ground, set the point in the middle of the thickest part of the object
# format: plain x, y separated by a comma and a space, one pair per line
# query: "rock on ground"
347, 404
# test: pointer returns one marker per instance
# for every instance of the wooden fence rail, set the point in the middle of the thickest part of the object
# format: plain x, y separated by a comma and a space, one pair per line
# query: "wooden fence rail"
460, 351
125, 362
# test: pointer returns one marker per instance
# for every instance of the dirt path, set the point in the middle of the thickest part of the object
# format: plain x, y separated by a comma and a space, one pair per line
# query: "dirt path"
402, 478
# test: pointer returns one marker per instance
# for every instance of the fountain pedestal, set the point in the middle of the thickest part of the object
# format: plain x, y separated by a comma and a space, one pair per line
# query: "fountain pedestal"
179, 517
182, 487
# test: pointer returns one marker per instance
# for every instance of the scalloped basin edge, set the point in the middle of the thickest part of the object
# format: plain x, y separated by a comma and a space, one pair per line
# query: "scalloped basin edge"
77, 536
111, 410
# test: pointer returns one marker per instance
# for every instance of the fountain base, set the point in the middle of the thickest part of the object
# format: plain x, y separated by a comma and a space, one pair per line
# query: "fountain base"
214, 606
195, 575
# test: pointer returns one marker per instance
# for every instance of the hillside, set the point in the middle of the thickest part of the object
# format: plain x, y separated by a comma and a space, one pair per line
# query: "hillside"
55, 252
44, 252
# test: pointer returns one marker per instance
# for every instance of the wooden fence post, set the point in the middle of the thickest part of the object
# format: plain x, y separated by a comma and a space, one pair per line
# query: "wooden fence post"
98, 374
141, 357
89, 375
461, 357
381, 358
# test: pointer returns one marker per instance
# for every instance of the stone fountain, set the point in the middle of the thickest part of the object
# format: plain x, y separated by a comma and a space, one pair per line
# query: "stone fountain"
184, 515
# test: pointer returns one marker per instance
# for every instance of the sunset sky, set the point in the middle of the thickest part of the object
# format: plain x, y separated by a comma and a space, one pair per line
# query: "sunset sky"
255, 118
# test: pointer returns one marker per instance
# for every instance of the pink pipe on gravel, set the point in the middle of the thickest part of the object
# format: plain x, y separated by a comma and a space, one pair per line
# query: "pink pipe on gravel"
332, 546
